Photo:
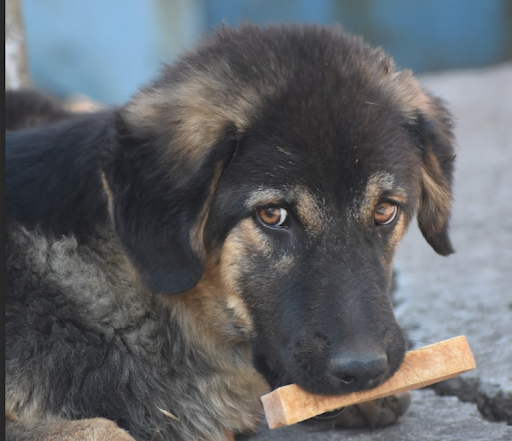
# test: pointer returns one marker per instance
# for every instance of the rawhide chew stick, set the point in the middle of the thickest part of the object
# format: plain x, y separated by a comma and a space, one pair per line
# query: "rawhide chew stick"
421, 367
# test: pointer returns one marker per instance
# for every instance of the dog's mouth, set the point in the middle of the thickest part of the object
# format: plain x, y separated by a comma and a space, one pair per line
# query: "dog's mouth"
329, 416
362, 371
276, 380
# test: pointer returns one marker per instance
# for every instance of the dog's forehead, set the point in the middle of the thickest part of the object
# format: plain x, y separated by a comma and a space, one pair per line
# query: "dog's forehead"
319, 85
330, 135
337, 166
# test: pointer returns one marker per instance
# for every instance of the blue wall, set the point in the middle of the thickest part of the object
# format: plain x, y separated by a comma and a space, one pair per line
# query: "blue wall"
107, 48
424, 35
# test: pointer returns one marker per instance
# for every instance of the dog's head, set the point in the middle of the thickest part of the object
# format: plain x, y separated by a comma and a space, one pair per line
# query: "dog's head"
291, 160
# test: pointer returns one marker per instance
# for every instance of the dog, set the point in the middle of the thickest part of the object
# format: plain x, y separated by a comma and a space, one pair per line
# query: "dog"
229, 230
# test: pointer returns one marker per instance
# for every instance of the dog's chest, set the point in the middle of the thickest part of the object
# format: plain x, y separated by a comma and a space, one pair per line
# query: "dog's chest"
86, 306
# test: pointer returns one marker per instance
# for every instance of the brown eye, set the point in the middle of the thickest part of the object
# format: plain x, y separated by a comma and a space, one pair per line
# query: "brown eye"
275, 217
385, 213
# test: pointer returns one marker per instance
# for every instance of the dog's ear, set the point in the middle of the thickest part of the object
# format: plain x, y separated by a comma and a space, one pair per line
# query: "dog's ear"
159, 208
433, 127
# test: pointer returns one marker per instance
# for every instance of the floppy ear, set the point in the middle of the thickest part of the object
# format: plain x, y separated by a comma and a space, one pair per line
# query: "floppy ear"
159, 208
433, 126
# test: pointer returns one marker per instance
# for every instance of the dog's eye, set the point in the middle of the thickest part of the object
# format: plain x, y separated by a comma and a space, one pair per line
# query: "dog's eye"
385, 213
273, 216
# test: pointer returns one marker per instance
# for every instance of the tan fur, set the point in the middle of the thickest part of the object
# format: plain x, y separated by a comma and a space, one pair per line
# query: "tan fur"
435, 203
309, 210
377, 184
244, 237
187, 110
198, 111
110, 195
437, 210
402, 87
94, 429
212, 312
264, 196
10, 416
398, 233
197, 230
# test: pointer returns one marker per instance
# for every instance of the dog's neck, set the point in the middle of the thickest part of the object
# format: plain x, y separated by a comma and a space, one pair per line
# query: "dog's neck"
216, 326
213, 315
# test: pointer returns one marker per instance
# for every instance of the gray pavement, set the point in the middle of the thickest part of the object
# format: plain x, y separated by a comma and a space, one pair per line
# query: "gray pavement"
430, 418
470, 292
467, 293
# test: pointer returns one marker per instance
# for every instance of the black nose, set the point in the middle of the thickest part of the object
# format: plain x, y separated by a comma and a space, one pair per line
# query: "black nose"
357, 371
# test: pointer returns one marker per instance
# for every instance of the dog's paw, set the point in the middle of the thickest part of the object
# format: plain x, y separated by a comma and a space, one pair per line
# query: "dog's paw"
376, 413
97, 429
94, 429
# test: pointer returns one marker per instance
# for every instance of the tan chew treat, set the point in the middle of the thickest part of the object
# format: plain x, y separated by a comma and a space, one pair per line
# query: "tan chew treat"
421, 367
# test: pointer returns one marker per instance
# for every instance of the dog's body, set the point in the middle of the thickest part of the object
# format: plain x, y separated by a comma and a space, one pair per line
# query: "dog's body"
231, 227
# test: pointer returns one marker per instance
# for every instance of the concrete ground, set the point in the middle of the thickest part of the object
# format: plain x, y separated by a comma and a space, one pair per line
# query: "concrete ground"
467, 293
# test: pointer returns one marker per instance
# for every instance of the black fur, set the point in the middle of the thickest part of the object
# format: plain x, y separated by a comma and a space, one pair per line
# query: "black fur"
31, 108
143, 286
53, 175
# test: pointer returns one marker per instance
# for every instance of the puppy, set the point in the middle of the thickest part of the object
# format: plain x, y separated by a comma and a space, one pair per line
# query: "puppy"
230, 229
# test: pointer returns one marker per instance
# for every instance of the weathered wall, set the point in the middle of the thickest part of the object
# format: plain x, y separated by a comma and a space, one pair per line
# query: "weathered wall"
16, 67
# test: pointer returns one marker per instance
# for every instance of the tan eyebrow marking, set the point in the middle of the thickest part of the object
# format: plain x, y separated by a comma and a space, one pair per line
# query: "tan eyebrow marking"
264, 196
309, 210
377, 184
